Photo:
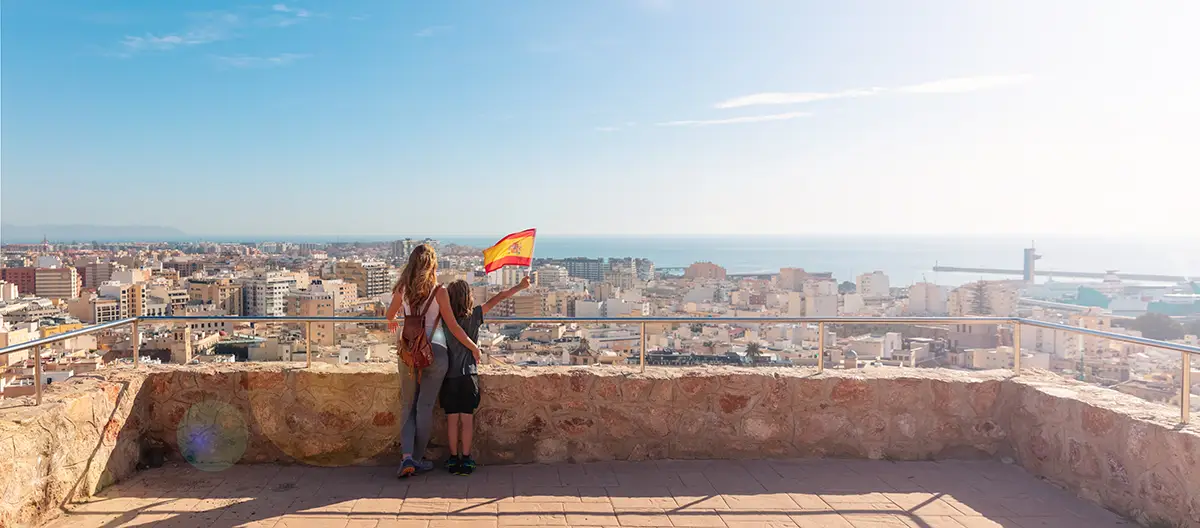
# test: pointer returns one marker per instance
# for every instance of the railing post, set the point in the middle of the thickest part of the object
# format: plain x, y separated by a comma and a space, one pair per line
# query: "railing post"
137, 344
820, 347
307, 344
1017, 348
1185, 394
642, 357
37, 375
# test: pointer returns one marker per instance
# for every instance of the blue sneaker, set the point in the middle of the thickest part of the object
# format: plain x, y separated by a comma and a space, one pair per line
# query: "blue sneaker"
466, 466
424, 465
408, 468
452, 464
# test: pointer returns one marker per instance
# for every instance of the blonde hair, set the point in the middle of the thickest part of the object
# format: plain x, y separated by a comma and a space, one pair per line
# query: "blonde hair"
419, 276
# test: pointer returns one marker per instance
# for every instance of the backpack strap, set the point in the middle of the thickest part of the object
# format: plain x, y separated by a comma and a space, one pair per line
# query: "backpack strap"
429, 302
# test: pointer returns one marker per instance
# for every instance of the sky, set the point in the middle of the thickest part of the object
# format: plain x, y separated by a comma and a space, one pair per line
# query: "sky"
602, 117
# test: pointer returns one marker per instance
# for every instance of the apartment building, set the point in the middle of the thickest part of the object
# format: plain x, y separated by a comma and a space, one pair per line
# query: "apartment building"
122, 294
551, 275
93, 309
9, 291
644, 269
175, 298
314, 303
791, 279
57, 283
24, 278
370, 277
704, 270
265, 295
925, 298
583, 268
96, 273
874, 285
222, 292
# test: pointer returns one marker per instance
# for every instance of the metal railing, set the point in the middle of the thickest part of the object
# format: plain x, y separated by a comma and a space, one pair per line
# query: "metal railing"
1186, 351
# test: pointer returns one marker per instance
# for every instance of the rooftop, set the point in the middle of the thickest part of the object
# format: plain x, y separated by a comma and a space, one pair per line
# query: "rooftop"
692, 493
291, 443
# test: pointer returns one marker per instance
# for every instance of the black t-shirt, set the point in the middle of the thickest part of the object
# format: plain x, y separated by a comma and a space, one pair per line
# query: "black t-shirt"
462, 362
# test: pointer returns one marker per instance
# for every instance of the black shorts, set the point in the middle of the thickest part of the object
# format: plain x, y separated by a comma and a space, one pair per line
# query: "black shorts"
460, 395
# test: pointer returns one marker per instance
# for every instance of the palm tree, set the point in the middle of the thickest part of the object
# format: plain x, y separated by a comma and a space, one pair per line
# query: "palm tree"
754, 351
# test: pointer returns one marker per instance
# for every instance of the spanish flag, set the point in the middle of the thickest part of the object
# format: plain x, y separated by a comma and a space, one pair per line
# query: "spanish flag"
513, 250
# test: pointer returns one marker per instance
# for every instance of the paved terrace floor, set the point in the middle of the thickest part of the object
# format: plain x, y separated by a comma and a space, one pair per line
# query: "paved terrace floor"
809, 493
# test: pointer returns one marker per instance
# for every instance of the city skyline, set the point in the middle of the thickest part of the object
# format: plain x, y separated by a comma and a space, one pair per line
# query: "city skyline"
340, 119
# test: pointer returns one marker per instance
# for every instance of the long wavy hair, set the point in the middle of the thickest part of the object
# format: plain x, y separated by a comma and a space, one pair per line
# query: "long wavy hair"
419, 276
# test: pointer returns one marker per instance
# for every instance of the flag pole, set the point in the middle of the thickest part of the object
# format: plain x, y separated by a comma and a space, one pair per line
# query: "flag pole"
532, 249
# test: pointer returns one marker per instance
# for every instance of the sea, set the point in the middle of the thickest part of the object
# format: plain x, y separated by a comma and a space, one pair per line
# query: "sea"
905, 259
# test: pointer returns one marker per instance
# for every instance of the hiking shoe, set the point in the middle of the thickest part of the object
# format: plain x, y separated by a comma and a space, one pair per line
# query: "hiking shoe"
466, 466
408, 468
452, 464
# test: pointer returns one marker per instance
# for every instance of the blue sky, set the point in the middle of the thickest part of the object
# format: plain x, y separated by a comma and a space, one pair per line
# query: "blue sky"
615, 116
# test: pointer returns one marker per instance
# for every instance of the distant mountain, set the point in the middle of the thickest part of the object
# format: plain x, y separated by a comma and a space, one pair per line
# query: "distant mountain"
16, 234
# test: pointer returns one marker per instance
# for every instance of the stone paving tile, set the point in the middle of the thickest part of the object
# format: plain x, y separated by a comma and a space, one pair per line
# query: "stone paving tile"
686, 494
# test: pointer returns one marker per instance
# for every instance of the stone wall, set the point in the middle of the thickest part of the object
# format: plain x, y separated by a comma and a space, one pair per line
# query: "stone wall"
1127, 454
1109, 447
84, 437
336, 416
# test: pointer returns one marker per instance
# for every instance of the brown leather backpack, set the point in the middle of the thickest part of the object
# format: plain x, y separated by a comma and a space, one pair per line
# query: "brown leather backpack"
415, 349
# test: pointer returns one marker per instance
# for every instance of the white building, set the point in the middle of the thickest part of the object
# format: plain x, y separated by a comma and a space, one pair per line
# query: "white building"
819, 287
8, 291
118, 292
591, 309
507, 276
925, 298
821, 306
266, 294
622, 308
551, 275
852, 303
874, 285
870, 346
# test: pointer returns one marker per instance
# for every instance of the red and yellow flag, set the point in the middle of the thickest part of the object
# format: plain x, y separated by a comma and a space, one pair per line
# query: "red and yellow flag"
513, 250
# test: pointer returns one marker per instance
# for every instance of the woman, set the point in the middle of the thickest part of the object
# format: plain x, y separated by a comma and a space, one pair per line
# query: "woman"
417, 281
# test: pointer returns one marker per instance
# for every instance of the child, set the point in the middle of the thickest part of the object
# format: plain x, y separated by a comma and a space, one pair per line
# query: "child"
460, 391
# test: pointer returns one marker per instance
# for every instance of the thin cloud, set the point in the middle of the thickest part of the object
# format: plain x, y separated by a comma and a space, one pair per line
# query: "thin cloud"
251, 61
206, 28
286, 16
966, 84
775, 98
942, 86
737, 120
432, 31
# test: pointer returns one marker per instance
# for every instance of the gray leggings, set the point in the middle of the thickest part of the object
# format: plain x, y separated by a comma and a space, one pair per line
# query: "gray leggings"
417, 401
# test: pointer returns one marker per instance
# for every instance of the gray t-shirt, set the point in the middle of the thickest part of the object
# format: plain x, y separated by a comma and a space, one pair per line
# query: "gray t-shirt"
462, 361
